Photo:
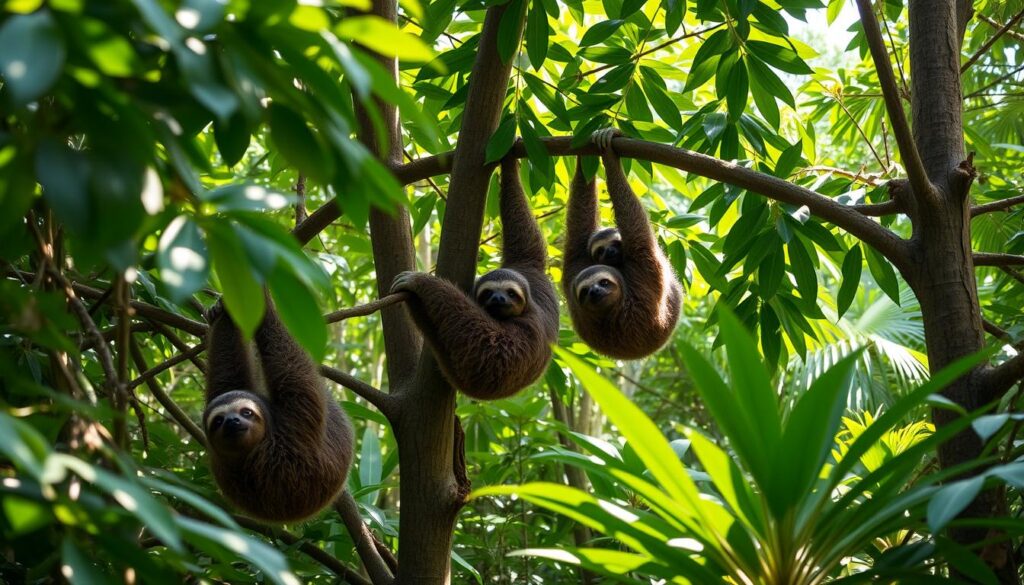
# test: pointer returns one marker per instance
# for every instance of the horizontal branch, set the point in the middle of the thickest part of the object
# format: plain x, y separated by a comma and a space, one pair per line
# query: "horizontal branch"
878, 209
1002, 377
1001, 205
167, 364
367, 309
309, 549
164, 399
995, 259
382, 400
845, 217
994, 24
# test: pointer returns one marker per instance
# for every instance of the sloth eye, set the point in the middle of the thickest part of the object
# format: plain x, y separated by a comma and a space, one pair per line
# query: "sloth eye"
599, 251
217, 421
605, 282
512, 293
247, 412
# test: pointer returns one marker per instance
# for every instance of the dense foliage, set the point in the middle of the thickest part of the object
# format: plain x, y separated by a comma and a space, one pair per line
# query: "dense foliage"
155, 155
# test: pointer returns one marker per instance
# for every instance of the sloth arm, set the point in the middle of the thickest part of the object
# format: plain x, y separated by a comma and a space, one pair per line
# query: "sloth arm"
581, 222
523, 244
445, 313
641, 261
229, 365
297, 397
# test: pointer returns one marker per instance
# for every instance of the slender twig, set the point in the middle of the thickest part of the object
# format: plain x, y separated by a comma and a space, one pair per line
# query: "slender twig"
922, 188
996, 259
995, 330
871, 180
383, 401
991, 22
179, 344
167, 364
373, 562
367, 309
1002, 377
981, 92
1014, 273
309, 549
1000, 205
164, 399
430, 180
991, 41
863, 134
300, 200
654, 49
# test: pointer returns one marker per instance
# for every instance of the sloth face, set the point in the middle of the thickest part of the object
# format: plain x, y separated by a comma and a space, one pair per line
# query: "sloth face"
606, 247
598, 289
236, 427
502, 299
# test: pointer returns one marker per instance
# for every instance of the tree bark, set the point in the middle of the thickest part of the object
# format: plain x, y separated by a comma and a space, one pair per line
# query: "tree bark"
941, 270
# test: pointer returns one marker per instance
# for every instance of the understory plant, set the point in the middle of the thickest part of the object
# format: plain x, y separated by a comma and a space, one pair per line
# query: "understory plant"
777, 501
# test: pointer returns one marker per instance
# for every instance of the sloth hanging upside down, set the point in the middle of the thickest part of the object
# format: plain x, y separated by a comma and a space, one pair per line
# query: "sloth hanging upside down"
281, 457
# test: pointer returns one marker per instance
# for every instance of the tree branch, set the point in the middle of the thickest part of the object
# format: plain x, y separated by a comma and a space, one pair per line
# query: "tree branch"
382, 400
162, 397
991, 22
991, 41
1002, 377
994, 206
921, 185
995, 259
367, 309
373, 562
309, 549
153, 372
846, 217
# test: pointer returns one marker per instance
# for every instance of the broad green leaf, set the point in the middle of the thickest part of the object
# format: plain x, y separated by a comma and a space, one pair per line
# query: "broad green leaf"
214, 538
629, 7
64, 175
738, 87
537, 33
884, 274
674, 12
32, 55
298, 144
23, 445
299, 311
809, 433
243, 294
615, 564
77, 567
126, 492
852, 266
642, 434
803, 270
384, 37
232, 138
247, 197
779, 57
182, 258
766, 79
599, 32
191, 498
952, 499
501, 141
370, 462
510, 29
771, 270
730, 481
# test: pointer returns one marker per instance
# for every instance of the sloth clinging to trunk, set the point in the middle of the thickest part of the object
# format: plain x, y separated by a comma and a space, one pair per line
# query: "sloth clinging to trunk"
279, 457
622, 293
498, 341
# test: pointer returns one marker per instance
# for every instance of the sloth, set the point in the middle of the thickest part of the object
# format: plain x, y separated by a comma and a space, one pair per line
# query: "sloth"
282, 456
623, 295
498, 341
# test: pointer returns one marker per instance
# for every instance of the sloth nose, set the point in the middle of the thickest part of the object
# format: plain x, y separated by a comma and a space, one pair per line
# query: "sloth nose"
233, 424
595, 293
497, 299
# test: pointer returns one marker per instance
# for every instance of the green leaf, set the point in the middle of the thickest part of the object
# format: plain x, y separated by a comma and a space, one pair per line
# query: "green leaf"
501, 141
732, 78
952, 499
788, 160
729, 480
265, 557
765, 78
674, 12
299, 311
510, 29
77, 567
667, 109
298, 144
599, 32
771, 270
32, 55
232, 138
130, 495
23, 445
384, 37
779, 57
247, 197
803, 270
852, 266
643, 435
630, 6
243, 295
182, 258
636, 104
704, 66
64, 175
537, 33
884, 274
614, 80
191, 498
535, 151
809, 434
370, 462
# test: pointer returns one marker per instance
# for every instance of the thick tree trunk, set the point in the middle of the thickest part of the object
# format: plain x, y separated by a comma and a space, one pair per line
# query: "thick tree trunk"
941, 269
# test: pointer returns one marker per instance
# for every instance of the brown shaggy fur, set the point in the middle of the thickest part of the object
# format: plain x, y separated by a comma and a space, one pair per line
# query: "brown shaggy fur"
643, 320
484, 357
302, 462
